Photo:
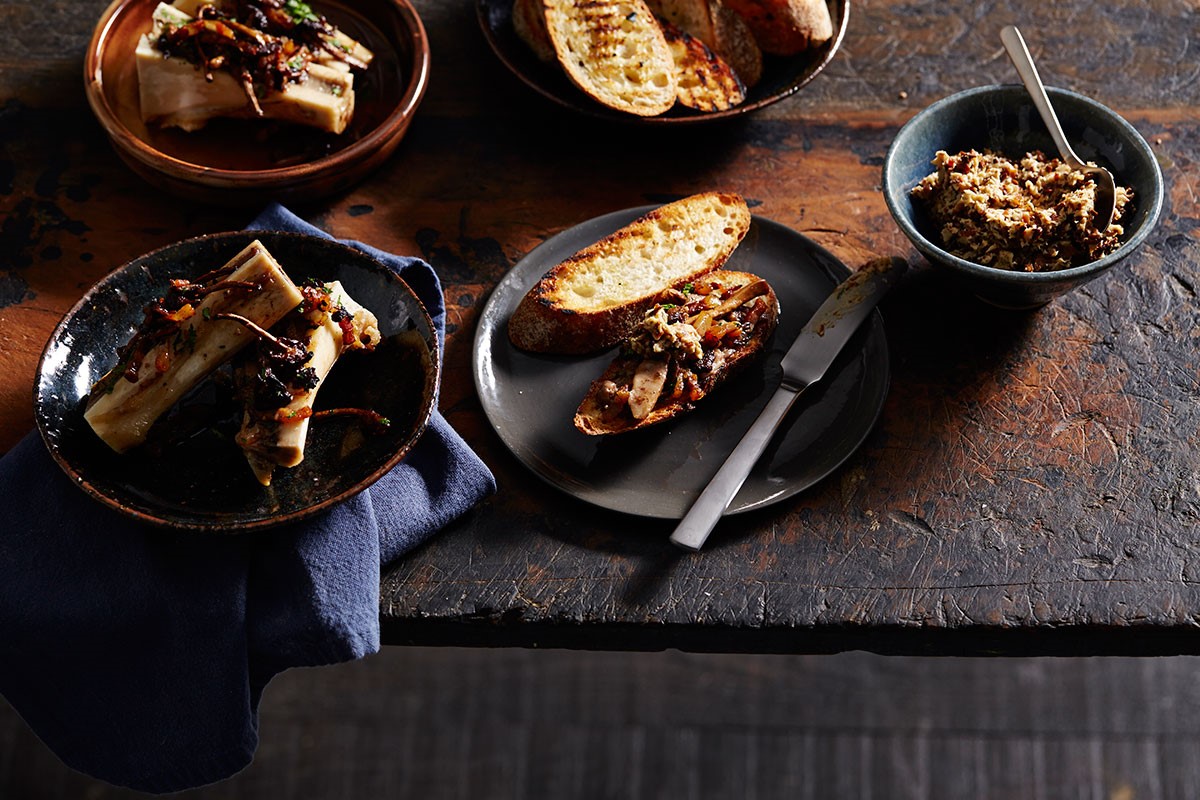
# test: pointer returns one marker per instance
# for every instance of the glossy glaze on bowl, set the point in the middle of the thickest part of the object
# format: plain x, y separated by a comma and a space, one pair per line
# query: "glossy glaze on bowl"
190, 474
250, 161
782, 76
1003, 119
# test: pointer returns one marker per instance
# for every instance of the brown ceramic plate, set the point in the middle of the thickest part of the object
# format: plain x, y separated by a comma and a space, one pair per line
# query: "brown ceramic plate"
250, 161
189, 474
531, 399
782, 77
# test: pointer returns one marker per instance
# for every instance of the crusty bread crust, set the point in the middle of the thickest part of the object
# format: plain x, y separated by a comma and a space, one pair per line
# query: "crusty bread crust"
705, 81
615, 52
786, 27
592, 300
588, 418
734, 41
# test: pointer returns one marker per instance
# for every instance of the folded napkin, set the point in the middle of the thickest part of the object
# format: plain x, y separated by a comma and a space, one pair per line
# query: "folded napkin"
139, 654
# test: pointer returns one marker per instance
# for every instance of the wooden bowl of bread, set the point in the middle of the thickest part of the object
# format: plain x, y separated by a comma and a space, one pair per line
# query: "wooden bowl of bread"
665, 61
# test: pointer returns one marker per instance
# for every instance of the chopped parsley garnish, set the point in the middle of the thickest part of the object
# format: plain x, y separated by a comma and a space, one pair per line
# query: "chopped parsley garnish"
300, 11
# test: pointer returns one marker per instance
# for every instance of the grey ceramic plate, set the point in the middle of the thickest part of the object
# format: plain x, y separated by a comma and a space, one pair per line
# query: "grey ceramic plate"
189, 474
658, 472
782, 76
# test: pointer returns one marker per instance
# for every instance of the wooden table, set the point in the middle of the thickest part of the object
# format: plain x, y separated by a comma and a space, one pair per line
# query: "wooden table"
1031, 487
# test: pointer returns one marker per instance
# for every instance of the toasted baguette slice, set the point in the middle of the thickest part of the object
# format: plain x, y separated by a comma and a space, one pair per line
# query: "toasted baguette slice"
725, 32
704, 81
592, 300
529, 23
786, 27
681, 352
615, 52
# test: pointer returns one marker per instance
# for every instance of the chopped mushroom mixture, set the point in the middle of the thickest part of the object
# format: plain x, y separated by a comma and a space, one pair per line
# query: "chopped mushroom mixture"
265, 44
678, 350
1032, 215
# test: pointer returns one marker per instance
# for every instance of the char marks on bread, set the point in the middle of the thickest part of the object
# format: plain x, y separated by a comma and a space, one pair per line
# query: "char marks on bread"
615, 52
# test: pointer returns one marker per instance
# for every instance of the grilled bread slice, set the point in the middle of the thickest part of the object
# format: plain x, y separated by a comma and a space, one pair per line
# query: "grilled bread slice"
725, 33
681, 352
594, 298
704, 81
615, 52
786, 27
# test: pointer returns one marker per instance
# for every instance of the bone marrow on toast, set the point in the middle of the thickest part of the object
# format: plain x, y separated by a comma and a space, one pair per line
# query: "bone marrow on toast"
275, 59
683, 348
182, 339
277, 380
592, 300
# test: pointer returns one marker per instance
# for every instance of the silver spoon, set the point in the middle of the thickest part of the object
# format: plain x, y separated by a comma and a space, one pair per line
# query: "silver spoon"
1106, 187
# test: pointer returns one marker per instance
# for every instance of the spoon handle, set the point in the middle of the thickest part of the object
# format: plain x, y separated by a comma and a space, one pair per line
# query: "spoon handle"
1014, 43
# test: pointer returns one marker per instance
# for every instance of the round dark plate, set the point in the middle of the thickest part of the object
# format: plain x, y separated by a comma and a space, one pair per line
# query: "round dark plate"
782, 76
659, 472
189, 473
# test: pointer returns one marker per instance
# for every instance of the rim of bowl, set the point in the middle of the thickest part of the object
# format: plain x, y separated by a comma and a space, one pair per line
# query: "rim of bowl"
927, 246
418, 66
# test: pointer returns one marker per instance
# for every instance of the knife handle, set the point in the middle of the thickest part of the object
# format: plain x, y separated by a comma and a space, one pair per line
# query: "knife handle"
702, 517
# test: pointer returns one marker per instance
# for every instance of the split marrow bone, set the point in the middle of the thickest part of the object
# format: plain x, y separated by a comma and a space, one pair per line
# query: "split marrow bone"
122, 415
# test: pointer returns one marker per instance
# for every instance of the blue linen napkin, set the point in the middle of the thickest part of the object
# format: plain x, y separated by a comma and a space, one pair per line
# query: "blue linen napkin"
139, 655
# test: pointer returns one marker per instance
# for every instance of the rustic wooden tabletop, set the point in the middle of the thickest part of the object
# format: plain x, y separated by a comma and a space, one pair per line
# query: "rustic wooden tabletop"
1031, 485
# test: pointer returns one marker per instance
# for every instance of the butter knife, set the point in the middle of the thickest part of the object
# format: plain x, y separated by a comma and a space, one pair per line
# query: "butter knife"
805, 363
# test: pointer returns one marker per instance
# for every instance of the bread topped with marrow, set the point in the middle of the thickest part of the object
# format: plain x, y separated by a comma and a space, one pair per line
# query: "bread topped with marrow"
680, 352
592, 300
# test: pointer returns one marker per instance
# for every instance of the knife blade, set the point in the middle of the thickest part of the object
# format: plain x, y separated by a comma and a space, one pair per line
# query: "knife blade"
805, 363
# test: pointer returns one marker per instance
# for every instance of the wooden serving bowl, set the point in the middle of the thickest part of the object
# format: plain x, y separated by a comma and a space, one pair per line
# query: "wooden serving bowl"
248, 162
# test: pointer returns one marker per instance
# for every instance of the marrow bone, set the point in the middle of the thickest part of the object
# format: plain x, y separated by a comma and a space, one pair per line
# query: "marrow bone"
121, 410
275, 436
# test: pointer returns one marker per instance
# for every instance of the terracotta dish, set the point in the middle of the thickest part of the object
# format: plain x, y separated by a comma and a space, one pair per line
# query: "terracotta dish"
250, 161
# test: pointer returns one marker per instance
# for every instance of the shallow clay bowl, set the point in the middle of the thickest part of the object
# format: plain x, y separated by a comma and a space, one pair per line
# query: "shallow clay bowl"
248, 162
1003, 119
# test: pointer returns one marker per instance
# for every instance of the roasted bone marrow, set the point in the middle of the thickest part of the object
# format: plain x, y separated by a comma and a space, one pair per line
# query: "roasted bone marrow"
185, 335
277, 380
275, 59
682, 350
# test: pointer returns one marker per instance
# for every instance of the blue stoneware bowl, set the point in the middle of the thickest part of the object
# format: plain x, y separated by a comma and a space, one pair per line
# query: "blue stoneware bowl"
1003, 119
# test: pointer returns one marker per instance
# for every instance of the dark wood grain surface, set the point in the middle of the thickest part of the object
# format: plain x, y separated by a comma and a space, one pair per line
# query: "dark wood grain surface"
463, 724
1032, 483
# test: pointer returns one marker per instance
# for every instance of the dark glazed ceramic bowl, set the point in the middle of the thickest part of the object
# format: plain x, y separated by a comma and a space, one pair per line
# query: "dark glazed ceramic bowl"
1003, 119
781, 78
248, 162
190, 474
